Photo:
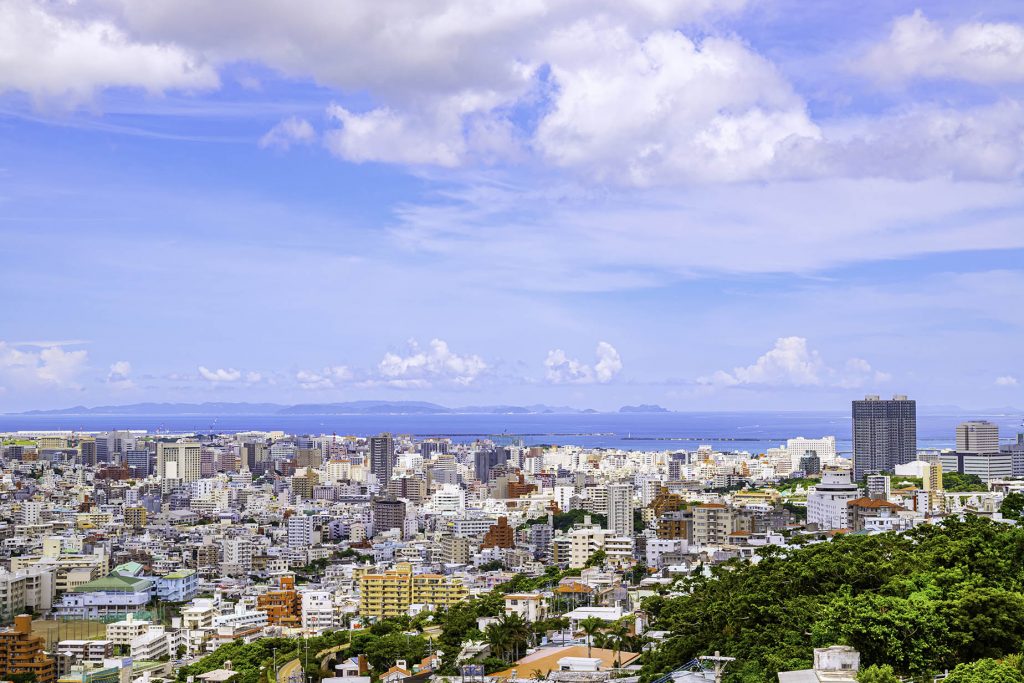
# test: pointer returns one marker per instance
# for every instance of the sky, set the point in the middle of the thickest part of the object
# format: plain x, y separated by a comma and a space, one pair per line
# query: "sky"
703, 204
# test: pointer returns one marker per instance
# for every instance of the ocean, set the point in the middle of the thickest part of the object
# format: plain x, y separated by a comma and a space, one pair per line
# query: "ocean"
727, 431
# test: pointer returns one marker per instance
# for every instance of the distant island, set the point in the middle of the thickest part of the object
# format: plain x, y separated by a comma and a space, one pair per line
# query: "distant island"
343, 408
643, 408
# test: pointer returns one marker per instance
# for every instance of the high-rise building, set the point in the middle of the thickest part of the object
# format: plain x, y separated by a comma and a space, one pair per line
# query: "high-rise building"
382, 457
388, 513
139, 461
977, 437
977, 452
884, 434
486, 461
620, 509
87, 448
178, 462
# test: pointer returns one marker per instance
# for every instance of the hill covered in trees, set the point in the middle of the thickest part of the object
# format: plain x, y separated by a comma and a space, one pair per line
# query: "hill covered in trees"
922, 602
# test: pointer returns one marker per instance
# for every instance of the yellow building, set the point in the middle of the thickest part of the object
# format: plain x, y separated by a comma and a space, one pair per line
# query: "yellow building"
135, 517
390, 593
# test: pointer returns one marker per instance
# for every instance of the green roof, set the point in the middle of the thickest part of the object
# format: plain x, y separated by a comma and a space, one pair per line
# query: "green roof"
129, 568
115, 582
180, 574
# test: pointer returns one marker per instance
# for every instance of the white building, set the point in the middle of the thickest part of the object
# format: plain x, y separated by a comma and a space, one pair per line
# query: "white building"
620, 509
318, 610
826, 502
824, 448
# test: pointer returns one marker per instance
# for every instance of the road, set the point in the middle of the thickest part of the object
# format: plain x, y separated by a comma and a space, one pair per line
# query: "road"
291, 672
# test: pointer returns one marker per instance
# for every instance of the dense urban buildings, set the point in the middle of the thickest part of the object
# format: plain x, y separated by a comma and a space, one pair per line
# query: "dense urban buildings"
158, 547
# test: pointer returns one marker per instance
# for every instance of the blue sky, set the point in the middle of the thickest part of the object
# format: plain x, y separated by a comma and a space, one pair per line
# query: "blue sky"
708, 205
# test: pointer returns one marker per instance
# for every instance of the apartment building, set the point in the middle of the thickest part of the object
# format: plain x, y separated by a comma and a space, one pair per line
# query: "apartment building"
21, 653
391, 593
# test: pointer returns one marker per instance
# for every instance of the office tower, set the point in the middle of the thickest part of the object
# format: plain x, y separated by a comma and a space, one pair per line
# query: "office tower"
254, 457
620, 509
178, 462
825, 447
1016, 451
88, 452
486, 461
382, 457
977, 452
102, 449
433, 446
139, 461
884, 434
977, 437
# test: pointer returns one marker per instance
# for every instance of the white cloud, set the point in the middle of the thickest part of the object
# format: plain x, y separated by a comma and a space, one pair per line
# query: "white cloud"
327, 378
919, 48
664, 107
560, 369
791, 363
438, 362
49, 365
119, 376
290, 131
63, 57
220, 374
1006, 381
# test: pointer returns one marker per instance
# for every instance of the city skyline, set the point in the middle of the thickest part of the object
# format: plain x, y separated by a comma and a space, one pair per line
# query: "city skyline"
705, 206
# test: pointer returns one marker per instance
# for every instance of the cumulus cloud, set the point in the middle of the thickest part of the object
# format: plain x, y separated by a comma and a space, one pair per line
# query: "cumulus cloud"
119, 375
920, 48
220, 374
53, 56
791, 362
1006, 381
561, 369
420, 367
664, 106
45, 365
327, 378
290, 131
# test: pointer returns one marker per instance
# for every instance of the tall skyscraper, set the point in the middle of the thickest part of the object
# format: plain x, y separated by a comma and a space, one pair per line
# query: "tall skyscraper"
487, 460
884, 434
382, 457
620, 509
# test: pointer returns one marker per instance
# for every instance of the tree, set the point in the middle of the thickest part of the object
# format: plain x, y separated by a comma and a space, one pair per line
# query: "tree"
617, 633
878, 674
597, 558
954, 482
383, 652
985, 671
591, 626
1013, 506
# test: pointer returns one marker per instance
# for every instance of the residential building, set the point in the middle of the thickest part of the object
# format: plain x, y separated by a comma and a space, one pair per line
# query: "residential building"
620, 509
391, 593
884, 434
22, 654
382, 457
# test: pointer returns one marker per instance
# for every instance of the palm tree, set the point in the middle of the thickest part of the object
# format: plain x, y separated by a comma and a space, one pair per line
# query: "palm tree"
590, 626
618, 632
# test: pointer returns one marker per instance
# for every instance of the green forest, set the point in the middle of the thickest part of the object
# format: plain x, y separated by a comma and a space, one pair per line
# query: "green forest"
921, 602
